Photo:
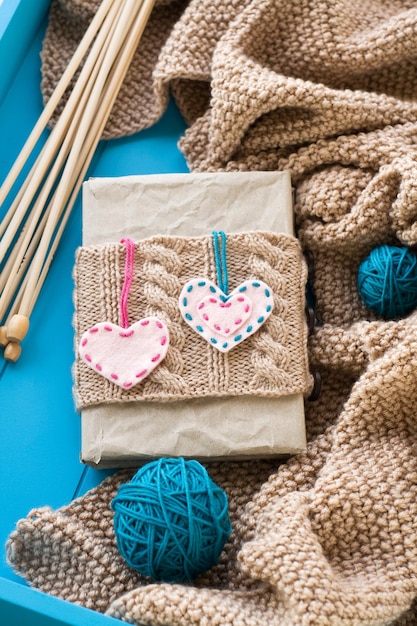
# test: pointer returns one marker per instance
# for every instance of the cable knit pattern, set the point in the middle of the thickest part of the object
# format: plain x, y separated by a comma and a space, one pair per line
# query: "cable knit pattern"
159, 291
272, 362
270, 358
327, 90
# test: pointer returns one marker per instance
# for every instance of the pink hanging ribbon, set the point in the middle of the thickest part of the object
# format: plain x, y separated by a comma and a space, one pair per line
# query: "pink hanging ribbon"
127, 283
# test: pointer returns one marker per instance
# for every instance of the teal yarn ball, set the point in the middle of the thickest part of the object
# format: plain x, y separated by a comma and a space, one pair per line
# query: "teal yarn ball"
387, 281
171, 520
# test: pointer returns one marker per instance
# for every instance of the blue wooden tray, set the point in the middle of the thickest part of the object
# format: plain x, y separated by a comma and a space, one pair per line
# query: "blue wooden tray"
40, 430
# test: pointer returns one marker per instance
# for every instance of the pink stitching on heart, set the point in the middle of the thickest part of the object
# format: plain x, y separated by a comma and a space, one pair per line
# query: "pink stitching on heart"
128, 355
219, 315
126, 334
216, 316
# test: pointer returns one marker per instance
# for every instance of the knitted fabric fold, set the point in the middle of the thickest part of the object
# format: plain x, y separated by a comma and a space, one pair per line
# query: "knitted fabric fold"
273, 362
72, 553
326, 90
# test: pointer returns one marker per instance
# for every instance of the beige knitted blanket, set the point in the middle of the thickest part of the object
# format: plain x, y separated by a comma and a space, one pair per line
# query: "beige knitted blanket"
326, 89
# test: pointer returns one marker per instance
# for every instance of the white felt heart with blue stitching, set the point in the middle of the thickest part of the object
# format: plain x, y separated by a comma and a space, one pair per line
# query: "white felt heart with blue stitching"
225, 320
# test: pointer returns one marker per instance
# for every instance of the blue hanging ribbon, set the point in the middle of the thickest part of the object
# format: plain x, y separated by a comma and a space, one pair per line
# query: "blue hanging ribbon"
221, 260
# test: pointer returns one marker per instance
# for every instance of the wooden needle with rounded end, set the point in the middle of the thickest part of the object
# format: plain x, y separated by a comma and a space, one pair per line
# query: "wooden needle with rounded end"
79, 132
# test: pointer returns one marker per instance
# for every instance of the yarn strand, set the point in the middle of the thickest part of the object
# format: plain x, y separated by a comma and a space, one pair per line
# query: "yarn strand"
127, 283
221, 261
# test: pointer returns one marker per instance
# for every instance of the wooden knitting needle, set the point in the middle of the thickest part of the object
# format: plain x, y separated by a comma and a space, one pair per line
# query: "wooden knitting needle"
19, 252
62, 132
13, 270
72, 67
8, 337
19, 208
96, 131
51, 179
88, 115
112, 89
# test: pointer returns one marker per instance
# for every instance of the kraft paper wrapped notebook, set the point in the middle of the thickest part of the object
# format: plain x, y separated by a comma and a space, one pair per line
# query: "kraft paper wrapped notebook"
199, 402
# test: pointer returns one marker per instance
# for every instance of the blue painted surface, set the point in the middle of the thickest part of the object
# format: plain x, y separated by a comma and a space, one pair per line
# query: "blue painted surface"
27, 607
40, 430
19, 22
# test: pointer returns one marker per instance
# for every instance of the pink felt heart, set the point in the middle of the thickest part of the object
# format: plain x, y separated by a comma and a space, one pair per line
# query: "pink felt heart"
225, 320
225, 317
125, 356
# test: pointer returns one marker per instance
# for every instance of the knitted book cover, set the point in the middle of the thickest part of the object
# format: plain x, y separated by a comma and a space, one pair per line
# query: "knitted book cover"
200, 402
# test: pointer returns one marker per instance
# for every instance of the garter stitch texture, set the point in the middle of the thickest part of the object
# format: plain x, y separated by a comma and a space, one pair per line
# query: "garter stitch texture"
272, 362
326, 89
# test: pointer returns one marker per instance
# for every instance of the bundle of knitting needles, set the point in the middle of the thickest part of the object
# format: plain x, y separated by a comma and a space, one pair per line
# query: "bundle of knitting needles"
35, 220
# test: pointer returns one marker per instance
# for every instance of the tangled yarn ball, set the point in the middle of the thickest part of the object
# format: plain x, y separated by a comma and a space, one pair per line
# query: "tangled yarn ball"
171, 520
387, 281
